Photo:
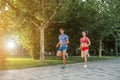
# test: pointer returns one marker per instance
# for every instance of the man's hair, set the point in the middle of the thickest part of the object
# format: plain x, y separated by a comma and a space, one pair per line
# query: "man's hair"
62, 29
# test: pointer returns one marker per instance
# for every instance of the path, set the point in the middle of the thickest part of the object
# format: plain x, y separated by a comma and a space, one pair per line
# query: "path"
97, 70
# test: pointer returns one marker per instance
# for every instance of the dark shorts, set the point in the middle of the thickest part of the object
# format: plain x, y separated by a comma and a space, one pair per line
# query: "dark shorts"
61, 49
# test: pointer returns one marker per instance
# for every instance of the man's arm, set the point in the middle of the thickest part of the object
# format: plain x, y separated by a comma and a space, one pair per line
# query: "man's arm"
58, 44
67, 42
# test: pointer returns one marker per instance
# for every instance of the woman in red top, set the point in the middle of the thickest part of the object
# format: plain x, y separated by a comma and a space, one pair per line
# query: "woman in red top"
84, 47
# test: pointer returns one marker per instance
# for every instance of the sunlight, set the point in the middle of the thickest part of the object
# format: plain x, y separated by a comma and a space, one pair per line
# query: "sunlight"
11, 44
6, 7
83, 0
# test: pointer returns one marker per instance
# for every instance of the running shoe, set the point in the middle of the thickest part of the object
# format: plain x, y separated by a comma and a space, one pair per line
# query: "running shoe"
85, 66
63, 67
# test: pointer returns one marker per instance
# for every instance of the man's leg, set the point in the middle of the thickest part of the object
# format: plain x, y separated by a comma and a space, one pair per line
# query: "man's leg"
59, 53
64, 58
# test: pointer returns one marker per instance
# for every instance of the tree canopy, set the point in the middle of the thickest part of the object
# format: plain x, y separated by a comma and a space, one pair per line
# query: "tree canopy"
25, 18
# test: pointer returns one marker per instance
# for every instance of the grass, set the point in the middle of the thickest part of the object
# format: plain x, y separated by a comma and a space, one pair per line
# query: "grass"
21, 63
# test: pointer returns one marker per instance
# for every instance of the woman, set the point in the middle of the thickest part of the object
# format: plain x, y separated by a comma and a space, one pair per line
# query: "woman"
84, 47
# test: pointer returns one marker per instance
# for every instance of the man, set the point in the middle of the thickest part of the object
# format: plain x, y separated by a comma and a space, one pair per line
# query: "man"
63, 46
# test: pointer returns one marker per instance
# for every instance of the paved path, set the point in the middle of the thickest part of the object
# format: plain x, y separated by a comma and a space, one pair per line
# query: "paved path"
98, 70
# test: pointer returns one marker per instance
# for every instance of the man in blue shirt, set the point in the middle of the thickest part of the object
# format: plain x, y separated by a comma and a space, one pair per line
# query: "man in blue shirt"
63, 46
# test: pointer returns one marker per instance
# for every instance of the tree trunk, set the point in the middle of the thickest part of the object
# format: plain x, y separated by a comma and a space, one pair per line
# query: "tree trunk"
100, 48
42, 47
116, 48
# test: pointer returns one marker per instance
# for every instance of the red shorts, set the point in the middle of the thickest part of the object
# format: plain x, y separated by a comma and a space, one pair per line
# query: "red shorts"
84, 48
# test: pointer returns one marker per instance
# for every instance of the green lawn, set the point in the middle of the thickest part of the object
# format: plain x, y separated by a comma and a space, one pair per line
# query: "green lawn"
21, 63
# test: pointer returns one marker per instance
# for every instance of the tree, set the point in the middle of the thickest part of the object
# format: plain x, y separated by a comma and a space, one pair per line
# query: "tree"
32, 18
43, 18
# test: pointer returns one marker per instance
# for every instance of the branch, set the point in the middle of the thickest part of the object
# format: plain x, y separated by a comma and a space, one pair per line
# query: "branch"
34, 20
59, 22
29, 17
58, 7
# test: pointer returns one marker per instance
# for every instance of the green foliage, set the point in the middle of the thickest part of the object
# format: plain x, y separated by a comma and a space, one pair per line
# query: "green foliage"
93, 16
100, 18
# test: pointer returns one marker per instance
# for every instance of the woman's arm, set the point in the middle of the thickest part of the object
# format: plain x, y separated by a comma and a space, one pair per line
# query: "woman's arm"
89, 42
80, 44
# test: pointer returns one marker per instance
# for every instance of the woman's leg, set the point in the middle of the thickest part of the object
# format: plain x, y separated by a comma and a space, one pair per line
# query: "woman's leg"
82, 54
85, 56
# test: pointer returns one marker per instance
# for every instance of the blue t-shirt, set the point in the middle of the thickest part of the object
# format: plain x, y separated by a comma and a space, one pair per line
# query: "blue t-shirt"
63, 39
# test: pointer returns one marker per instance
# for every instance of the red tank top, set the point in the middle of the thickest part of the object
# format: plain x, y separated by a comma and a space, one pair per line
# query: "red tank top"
84, 40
